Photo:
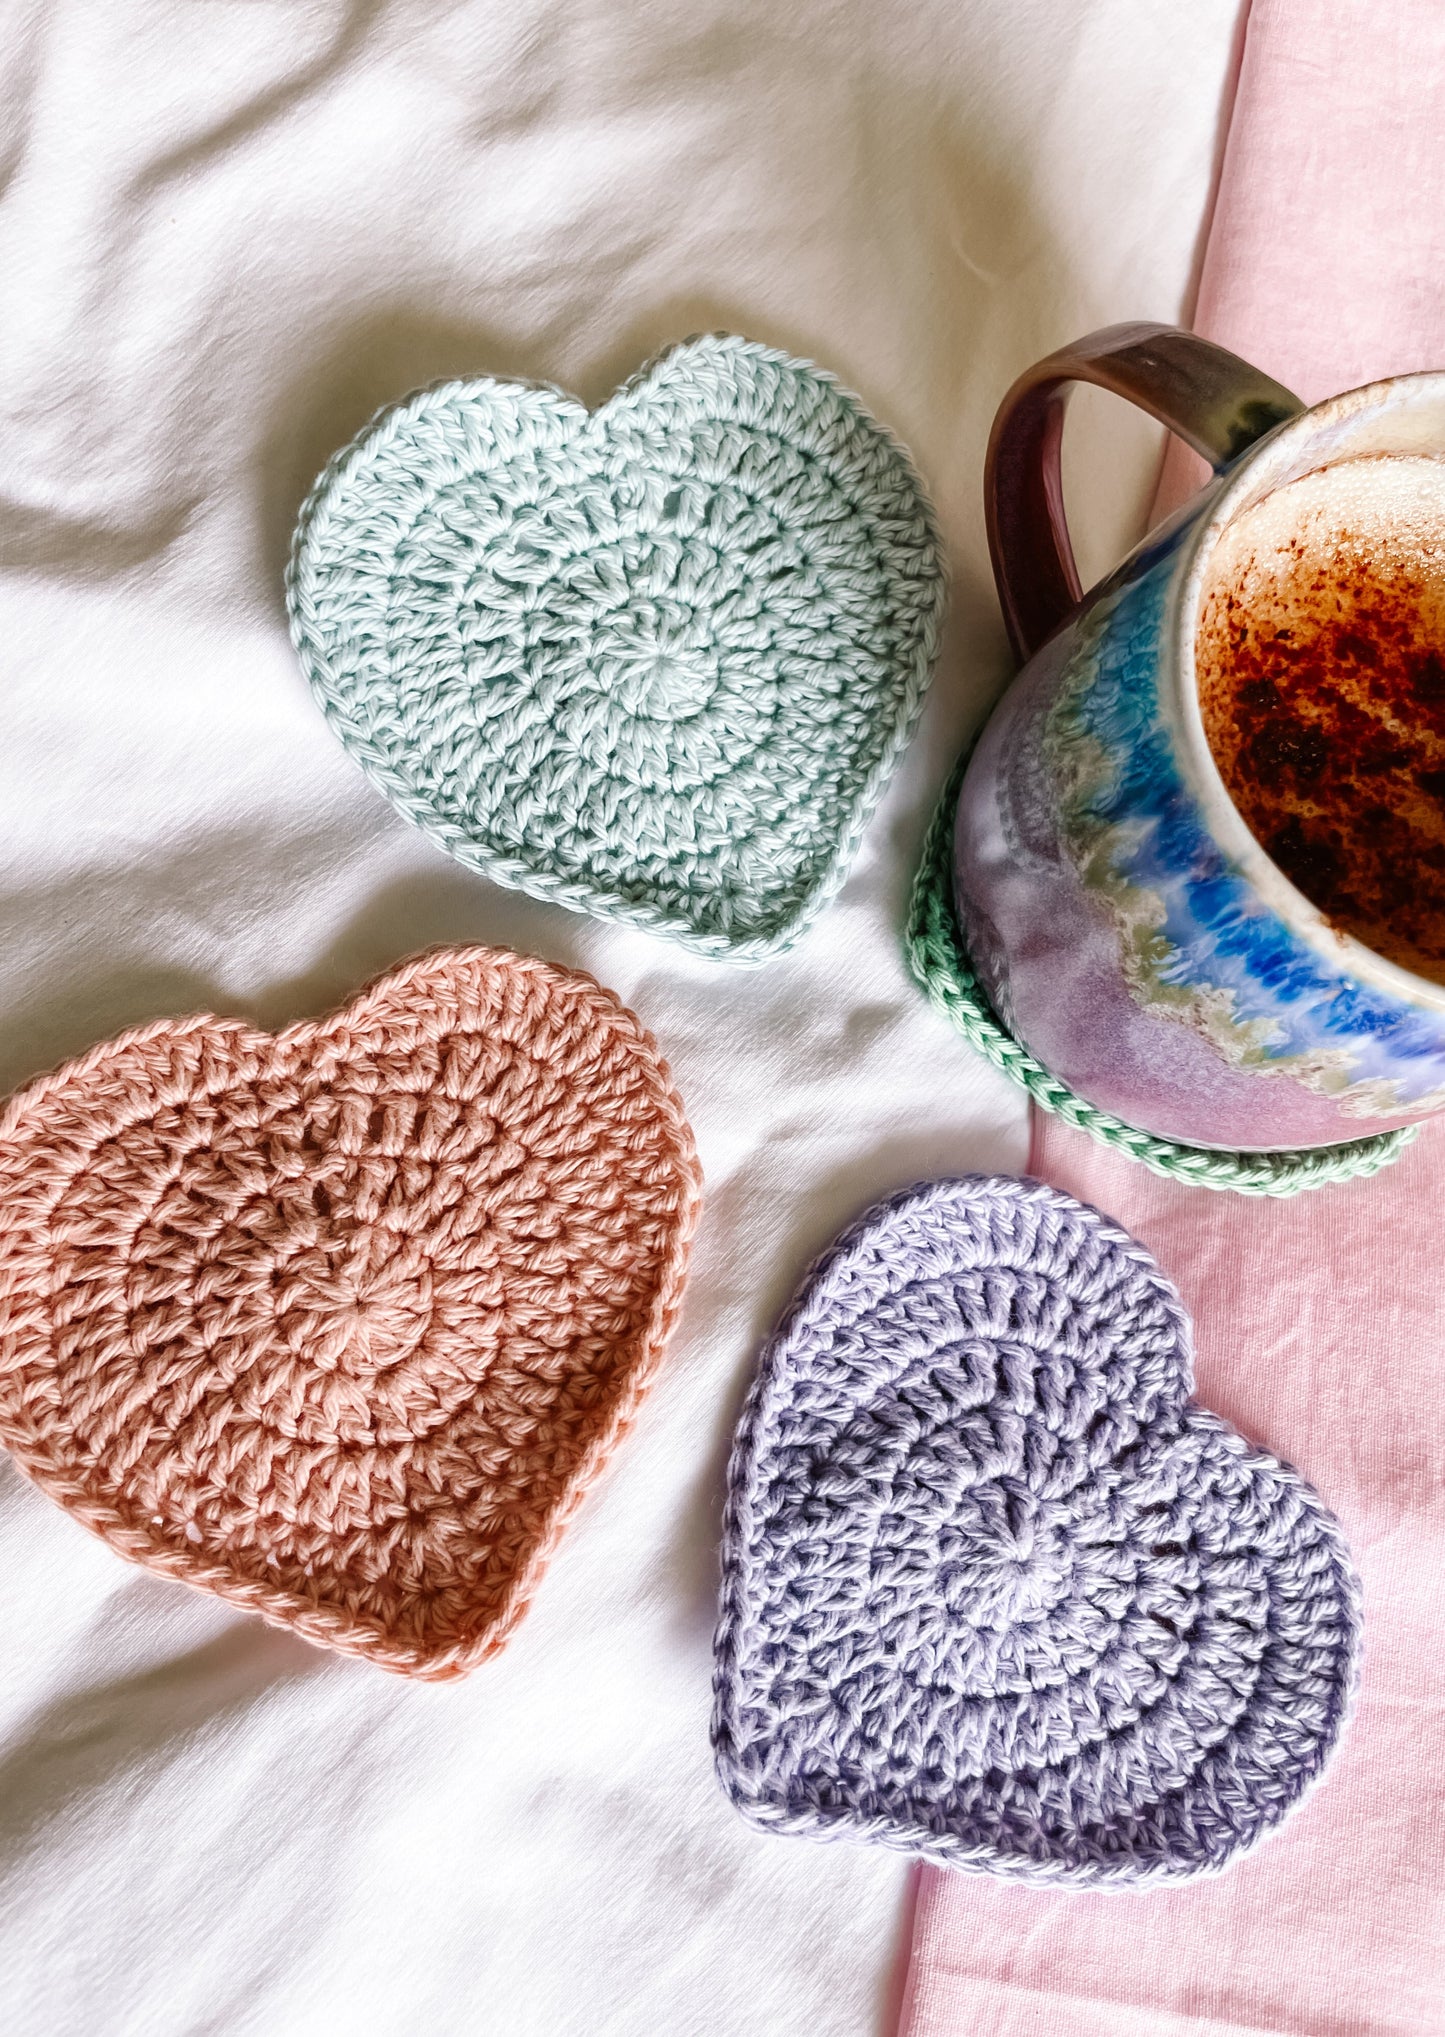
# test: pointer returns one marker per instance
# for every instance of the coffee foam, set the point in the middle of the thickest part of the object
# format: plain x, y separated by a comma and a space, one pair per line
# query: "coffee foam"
1320, 665
1390, 507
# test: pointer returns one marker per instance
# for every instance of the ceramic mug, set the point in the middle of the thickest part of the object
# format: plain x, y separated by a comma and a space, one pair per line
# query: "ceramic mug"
1124, 921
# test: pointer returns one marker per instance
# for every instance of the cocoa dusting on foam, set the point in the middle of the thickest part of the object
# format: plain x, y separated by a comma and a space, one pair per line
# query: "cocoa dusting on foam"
1320, 659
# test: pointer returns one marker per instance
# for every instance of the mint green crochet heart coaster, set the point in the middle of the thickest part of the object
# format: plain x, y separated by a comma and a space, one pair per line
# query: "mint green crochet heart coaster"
654, 662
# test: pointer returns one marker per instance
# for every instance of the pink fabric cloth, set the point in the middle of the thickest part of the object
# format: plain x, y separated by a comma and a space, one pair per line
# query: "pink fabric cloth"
1319, 1325
1320, 1321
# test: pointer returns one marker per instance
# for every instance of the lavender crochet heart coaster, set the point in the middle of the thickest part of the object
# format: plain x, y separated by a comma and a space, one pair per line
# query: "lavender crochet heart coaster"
996, 1591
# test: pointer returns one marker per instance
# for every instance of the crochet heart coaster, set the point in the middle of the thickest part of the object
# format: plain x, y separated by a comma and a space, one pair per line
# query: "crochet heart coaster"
996, 1592
340, 1323
654, 662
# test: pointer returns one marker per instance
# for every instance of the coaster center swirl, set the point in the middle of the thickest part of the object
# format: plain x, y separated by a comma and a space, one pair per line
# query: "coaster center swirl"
344, 1314
1005, 1580
658, 677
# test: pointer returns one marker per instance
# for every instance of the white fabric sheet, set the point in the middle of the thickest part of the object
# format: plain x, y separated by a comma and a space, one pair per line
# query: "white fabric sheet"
230, 229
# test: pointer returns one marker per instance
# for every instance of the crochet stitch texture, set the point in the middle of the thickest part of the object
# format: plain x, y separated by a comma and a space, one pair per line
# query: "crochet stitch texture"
341, 1323
655, 662
996, 1592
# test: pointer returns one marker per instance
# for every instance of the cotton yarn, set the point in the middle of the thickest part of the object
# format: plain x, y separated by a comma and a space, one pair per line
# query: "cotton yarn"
654, 662
940, 963
996, 1591
341, 1323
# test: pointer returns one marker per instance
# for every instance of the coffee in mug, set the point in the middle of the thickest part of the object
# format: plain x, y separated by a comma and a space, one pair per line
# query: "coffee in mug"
1320, 666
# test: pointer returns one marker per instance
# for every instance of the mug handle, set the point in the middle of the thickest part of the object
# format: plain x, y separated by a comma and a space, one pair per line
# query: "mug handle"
1211, 399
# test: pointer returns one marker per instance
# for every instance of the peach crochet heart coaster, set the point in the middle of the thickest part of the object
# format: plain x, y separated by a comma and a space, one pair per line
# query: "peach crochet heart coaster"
341, 1323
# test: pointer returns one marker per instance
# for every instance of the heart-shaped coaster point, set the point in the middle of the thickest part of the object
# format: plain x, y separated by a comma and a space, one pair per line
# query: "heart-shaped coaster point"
341, 1323
996, 1591
654, 662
